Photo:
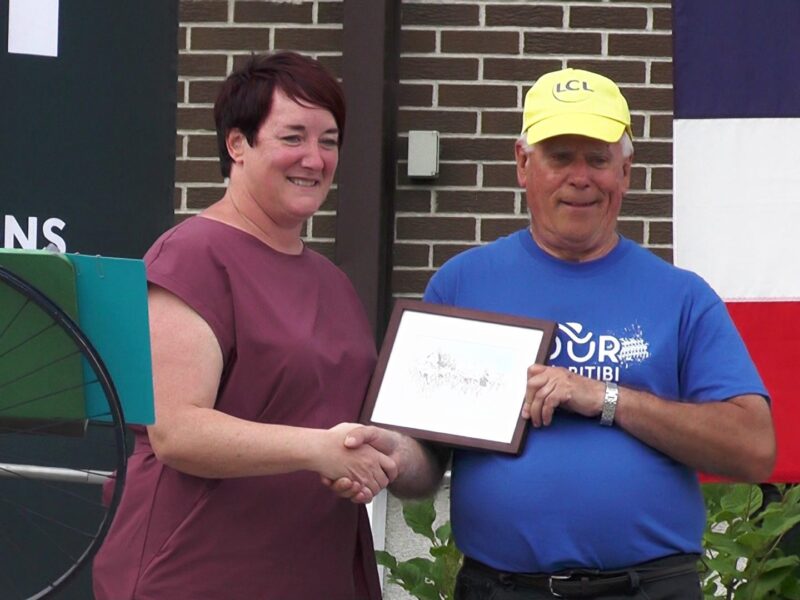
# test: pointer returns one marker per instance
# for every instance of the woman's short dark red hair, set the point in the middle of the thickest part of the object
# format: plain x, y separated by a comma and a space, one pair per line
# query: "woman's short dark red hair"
245, 99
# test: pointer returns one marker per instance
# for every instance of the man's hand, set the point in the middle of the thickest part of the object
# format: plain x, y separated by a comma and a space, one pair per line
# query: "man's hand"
552, 387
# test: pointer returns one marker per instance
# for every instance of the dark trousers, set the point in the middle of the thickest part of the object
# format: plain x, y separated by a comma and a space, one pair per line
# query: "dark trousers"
481, 584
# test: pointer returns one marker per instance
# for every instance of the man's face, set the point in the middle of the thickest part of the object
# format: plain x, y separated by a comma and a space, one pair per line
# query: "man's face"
574, 187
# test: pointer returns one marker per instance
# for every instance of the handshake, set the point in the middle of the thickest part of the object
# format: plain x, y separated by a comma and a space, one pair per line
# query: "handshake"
356, 462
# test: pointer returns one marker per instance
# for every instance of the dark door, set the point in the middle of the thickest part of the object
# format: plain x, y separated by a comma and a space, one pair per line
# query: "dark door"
87, 132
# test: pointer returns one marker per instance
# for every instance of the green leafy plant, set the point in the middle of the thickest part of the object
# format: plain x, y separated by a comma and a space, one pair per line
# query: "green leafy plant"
745, 543
748, 550
425, 578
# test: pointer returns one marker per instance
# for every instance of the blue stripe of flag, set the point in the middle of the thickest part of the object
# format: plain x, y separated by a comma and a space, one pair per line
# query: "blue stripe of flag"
736, 58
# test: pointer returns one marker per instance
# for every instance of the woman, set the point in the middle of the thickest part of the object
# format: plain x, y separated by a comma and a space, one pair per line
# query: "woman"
260, 348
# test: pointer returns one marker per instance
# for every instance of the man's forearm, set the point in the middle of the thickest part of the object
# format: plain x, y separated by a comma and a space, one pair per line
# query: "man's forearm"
733, 438
421, 467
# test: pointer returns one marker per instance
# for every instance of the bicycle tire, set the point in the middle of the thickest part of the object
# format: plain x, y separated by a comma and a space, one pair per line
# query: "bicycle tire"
79, 516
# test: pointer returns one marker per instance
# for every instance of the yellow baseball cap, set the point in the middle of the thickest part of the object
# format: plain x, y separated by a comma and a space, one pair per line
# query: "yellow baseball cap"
573, 101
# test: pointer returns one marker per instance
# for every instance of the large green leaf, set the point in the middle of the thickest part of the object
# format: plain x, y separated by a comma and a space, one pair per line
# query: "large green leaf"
723, 543
778, 524
385, 559
779, 564
791, 494
722, 564
422, 564
444, 533
790, 588
419, 516
425, 591
755, 541
770, 580
438, 551
742, 499
408, 574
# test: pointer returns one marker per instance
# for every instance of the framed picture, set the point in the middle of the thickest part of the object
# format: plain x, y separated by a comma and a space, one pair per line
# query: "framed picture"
456, 376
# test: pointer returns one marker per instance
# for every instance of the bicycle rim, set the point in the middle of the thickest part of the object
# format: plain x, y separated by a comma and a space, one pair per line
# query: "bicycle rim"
54, 512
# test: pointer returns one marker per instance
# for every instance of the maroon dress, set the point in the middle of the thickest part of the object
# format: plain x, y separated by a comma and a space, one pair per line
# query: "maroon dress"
298, 351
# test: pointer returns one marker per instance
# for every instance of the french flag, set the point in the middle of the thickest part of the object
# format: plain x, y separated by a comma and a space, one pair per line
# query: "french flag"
737, 182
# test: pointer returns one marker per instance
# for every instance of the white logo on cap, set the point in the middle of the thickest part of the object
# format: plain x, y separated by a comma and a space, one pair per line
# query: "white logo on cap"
574, 90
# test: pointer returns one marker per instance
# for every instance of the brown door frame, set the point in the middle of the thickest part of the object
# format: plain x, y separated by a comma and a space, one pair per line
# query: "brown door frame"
365, 212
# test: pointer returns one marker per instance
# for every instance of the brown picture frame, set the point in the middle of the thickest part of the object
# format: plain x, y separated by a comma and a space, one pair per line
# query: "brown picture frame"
456, 376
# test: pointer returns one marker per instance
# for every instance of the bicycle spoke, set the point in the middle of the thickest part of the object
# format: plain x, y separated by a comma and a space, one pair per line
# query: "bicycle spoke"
29, 339
14, 318
39, 369
27, 513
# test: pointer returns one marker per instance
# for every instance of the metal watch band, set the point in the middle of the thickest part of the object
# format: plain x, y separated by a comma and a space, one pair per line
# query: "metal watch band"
609, 404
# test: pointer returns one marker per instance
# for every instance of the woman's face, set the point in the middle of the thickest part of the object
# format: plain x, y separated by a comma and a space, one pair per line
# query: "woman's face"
289, 168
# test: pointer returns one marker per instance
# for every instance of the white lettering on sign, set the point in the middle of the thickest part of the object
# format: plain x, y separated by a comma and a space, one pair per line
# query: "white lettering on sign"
15, 235
33, 27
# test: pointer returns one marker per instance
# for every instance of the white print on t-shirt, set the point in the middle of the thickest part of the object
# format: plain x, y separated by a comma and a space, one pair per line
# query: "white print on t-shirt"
599, 357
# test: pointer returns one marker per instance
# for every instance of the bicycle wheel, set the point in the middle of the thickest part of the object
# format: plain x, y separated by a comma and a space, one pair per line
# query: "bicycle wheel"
54, 512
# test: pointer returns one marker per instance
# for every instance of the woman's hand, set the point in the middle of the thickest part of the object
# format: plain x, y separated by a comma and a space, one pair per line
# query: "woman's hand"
366, 467
419, 466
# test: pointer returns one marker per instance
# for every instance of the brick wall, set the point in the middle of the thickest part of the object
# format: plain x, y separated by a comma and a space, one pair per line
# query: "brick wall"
215, 36
465, 67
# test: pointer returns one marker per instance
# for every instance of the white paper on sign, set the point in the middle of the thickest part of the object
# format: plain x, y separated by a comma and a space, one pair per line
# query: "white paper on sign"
33, 27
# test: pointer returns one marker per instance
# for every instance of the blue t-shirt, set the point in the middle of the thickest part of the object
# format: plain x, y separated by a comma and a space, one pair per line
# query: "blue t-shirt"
579, 494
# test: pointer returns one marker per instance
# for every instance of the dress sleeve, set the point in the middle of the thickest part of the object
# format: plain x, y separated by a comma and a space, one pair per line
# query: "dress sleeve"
185, 265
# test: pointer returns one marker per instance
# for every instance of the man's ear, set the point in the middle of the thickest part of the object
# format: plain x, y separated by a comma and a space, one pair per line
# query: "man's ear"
627, 165
522, 159
236, 142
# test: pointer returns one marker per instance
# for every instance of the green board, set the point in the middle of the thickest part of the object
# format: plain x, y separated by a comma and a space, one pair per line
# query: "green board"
41, 375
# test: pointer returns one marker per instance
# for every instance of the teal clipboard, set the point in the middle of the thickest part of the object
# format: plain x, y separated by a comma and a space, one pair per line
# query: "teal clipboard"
112, 309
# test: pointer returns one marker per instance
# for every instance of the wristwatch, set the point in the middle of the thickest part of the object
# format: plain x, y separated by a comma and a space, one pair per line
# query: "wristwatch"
609, 404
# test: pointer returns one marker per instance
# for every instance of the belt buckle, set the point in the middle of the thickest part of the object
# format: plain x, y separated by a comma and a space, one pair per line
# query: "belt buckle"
557, 578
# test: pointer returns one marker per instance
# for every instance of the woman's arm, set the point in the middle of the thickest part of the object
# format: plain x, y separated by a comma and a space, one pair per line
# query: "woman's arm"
191, 436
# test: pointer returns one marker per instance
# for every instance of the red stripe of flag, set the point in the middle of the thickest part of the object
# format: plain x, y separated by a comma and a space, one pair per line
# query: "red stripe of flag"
771, 331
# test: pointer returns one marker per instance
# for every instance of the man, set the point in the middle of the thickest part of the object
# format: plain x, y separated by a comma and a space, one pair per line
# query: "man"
649, 381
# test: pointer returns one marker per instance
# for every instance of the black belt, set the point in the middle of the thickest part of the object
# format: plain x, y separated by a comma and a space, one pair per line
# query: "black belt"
588, 583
